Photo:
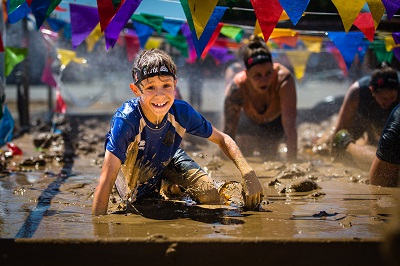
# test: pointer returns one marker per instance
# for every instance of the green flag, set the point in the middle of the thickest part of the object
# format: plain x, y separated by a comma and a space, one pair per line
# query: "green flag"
179, 42
233, 32
14, 56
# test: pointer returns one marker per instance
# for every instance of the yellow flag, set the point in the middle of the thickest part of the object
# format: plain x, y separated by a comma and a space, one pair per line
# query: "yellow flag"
66, 56
93, 38
201, 11
390, 43
257, 29
377, 10
153, 42
277, 32
312, 43
298, 59
348, 11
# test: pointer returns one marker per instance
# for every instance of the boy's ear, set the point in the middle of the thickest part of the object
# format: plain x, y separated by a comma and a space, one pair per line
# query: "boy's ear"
135, 89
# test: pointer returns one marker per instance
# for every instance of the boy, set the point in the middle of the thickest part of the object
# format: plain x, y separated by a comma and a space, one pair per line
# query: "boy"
144, 140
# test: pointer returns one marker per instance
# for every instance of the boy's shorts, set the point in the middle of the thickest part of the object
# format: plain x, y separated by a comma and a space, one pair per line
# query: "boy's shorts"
182, 171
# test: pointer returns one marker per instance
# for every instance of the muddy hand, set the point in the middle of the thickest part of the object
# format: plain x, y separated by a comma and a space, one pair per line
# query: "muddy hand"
252, 190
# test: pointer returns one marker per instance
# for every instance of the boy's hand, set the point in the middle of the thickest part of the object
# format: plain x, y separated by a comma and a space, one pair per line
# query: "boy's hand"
252, 189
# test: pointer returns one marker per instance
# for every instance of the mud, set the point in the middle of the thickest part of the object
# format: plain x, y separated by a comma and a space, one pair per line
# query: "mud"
46, 196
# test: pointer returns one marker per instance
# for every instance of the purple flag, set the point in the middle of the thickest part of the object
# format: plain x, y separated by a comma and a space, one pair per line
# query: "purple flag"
391, 7
115, 26
83, 20
221, 54
396, 51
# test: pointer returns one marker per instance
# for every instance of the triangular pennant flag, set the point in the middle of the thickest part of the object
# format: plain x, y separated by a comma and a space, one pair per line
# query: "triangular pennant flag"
188, 14
211, 42
65, 56
19, 13
107, 11
14, 56
172, 26
377, 10
150, 20
233, 32
286, 40
348, 11
47, 75
143, 32
42, 9
14, 4
294, 9
312, 43
382, 55
179, 42
396, 50
331, 48
201, 11
93, 38
153, 43
6, 126
276, 33
298, 59
365, 23
389, 43
267, 15
61, 106
83, 20
118, 22
132, 44
221, 54
212, 24
347, 43
191, 50
391, 7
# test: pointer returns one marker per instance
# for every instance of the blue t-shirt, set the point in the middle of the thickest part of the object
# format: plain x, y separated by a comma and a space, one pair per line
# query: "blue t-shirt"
153, 146
389, 143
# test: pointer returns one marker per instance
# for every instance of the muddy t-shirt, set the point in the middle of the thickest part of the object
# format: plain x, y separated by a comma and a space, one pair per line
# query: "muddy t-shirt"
389, 143
153, 146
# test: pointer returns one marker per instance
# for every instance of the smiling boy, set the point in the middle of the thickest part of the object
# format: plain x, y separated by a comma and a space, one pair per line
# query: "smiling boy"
144, 138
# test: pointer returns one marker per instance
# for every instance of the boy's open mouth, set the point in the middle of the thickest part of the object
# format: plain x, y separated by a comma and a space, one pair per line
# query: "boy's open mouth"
159, 104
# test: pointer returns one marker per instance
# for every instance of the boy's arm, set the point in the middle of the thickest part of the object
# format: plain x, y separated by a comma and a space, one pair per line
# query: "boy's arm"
252, 186
108, 175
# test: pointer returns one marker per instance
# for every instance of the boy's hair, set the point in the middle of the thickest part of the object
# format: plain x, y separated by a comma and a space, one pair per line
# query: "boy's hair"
256, 52
384, 78
152, 63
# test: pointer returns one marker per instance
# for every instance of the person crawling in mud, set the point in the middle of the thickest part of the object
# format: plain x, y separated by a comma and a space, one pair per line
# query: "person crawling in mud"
260, 104
143, 143
362, 116
385, 168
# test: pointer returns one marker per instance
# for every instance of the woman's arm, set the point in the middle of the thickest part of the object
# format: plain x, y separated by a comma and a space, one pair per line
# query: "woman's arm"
108, 175
252, 186
288, 100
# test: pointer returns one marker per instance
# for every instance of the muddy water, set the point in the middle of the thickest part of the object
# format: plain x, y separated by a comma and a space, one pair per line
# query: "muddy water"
46, 202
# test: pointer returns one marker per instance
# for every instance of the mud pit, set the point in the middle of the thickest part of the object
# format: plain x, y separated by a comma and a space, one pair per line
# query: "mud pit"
337, 218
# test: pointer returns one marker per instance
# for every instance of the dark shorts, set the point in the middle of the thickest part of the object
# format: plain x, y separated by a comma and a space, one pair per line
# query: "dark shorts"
272, 130
182, 170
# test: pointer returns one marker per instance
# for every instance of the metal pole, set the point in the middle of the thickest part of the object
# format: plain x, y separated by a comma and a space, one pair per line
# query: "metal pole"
25, 80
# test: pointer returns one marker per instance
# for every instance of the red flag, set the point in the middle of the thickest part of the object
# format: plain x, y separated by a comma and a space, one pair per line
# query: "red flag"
268, 14
61, 106
107, 11
211, 42
365, 23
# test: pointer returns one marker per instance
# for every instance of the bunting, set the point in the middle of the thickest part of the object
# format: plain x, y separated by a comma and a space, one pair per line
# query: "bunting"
268, 14
391, 7
377, 10
347, 43
365, 23
298, 59
348, 11
13, 56
107, 10
294, 8
83, 21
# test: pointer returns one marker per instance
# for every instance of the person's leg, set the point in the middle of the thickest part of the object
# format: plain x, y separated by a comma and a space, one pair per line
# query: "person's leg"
186, 173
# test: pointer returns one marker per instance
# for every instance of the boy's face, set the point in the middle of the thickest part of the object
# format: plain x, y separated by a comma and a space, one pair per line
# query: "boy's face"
157, 94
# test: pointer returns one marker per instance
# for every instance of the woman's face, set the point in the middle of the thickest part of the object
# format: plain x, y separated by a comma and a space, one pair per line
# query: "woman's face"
385, 98
261, 76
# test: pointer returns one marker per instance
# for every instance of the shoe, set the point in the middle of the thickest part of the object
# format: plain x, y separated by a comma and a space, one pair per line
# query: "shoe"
341, 140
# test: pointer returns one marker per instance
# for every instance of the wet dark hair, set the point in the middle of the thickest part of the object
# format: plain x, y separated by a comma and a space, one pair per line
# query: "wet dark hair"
150, 63
384, 78
256, 52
